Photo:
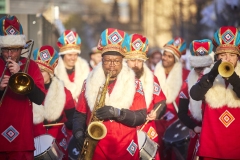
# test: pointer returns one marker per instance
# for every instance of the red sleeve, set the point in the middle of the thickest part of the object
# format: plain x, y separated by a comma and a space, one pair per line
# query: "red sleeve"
158, 94
69, 104
139, 99
35, 73
184, 91
82, 105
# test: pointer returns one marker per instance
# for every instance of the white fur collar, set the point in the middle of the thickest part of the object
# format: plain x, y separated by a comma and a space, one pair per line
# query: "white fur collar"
81, 72
218, 95
172, 84
194, 106
147, 80
53, 104
123, 92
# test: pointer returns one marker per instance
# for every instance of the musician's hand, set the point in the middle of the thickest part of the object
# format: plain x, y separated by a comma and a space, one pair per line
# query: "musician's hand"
79, 136
13, 66
107, 112
197, 129
4, 82
151, 116
214, 71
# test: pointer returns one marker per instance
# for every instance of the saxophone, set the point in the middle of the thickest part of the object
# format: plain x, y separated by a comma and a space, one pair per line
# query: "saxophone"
96, 129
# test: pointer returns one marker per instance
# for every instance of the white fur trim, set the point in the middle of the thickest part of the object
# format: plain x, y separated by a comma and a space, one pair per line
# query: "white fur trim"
194, 106
123, 92
53, 104
12, 40
38, 113
172, 84
55, 100
147, 80
81, 72
218, 95
201, 61
70, 51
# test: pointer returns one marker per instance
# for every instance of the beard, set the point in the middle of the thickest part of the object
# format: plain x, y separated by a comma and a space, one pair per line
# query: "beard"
138, 72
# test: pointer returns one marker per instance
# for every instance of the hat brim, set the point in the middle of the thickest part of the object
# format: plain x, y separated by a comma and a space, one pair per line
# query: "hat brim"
201, 61
12, 41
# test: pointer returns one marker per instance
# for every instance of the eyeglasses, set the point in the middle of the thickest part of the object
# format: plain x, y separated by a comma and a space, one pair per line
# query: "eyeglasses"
115, 62
6, 50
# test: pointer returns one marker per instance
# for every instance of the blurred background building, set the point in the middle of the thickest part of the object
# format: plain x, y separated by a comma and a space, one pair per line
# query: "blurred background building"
158, 20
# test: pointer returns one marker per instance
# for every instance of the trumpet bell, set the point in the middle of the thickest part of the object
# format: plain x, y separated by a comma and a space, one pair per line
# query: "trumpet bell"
226, 69
97, 130
21, 83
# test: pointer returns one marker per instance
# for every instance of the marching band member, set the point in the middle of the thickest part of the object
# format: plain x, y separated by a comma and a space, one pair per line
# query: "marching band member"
220, 122
16, 115
58, 106
71, 69
200, 59
95, 57
171, 77
137, 46
125, 106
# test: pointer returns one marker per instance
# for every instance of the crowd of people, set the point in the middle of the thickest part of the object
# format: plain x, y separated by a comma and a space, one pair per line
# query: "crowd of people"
124, 103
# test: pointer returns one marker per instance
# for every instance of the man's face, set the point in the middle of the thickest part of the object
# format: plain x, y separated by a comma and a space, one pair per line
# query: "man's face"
113, 64
70, 60
13, 53
97, 57
156, 58
229, 57
137, 66
46, 76
168, 59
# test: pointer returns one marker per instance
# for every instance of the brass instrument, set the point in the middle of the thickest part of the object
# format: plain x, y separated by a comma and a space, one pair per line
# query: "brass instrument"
226, 69
21, 82
96, 129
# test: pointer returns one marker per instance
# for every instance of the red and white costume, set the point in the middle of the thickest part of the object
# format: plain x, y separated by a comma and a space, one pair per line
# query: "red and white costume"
16, 113
58, 99
125, 92
219, 135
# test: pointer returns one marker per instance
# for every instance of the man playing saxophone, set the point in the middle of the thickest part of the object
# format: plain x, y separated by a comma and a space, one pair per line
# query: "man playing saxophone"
125, 106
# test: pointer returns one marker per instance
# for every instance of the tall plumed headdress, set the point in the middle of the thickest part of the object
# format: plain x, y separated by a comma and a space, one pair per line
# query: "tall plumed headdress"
176, 46
227, 39
69, 42
47, 58
112, 40
201, 53
11, 32
137, 47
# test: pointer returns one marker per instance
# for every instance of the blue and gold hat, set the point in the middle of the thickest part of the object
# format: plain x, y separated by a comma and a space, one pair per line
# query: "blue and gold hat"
11, 32
112, 40
47, 58
227, 39
69, 42
137, 47
176, 46
201, 53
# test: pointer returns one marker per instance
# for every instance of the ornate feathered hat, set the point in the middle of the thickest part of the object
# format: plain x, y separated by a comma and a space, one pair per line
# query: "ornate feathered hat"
137, 47
201, 53
227, 39
69, 42
176, 46
112, 40
11, 32
47, 58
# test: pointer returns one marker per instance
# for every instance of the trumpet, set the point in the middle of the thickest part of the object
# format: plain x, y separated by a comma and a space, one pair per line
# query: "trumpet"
226, 69
21, 82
